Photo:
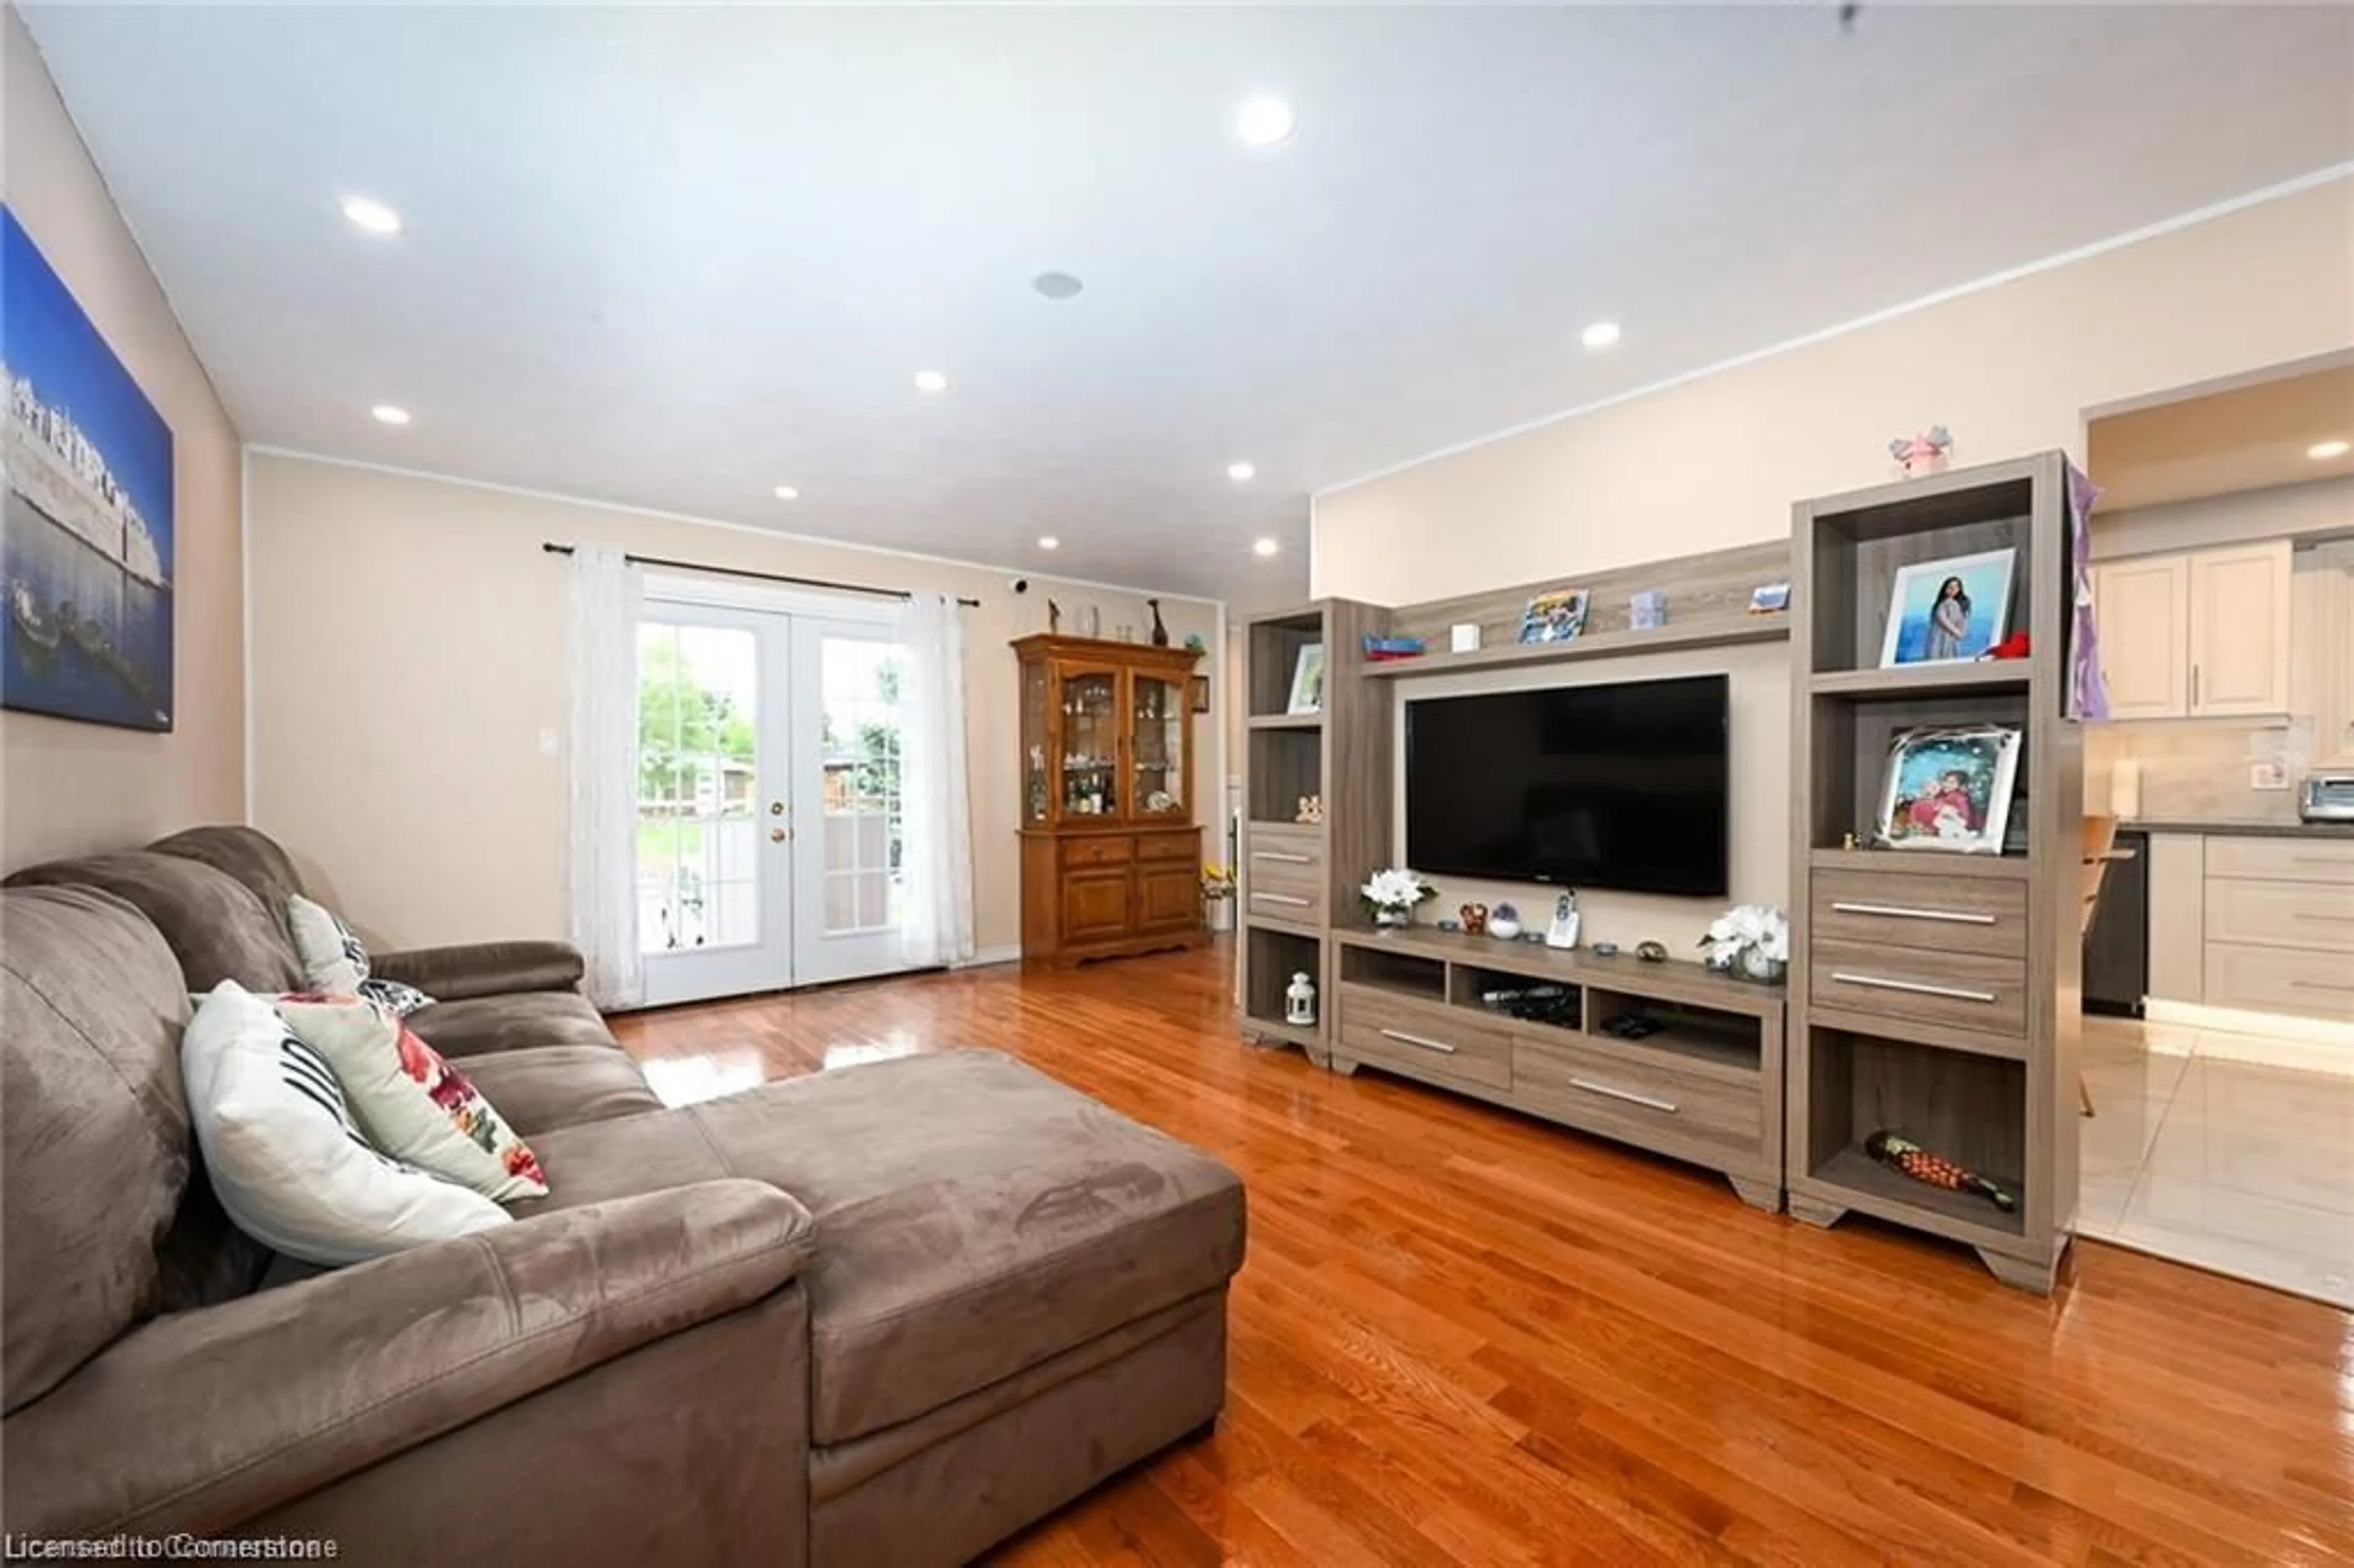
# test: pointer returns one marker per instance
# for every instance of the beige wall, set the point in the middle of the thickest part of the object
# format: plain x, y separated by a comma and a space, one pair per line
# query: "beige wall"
408, 652
69, 788
1717, 462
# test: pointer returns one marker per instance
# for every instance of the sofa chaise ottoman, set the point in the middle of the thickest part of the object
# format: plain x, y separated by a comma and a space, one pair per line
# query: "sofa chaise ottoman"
887, 1314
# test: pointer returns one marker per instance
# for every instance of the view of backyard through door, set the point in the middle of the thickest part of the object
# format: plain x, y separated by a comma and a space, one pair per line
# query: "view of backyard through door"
770, 827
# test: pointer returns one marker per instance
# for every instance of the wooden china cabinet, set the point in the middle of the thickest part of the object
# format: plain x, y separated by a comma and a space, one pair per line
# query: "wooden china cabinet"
1111, 857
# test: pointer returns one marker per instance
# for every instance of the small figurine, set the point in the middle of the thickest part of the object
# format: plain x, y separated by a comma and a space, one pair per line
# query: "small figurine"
1054, 618
1159, 633
1650, 953
1311, 810
1504, 922
1475, 919
1902, 1154
1922, 455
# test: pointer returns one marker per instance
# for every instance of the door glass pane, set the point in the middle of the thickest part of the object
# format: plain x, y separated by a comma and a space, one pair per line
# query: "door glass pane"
859, 682
1034, 742
1090, 743
1160, 743
697, 767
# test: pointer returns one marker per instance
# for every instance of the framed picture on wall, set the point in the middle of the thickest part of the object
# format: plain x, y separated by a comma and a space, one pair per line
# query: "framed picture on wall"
1944, 611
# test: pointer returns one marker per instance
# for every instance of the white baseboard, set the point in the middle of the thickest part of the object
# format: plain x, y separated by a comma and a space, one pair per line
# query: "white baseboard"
1009, 954
2232, 1021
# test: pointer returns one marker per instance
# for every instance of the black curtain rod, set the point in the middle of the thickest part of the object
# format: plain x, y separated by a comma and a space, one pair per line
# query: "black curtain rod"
553, 548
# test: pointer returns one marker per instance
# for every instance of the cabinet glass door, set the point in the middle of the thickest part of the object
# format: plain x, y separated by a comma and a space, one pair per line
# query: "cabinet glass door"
1037, 734
1090, 765
1159, 722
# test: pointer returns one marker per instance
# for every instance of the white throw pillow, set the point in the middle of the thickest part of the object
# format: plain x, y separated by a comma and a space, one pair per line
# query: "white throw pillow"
411, 1103
335, 961
284, 1154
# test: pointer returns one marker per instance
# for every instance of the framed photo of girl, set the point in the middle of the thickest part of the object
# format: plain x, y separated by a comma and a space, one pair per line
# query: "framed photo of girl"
1942, 612
1949, 789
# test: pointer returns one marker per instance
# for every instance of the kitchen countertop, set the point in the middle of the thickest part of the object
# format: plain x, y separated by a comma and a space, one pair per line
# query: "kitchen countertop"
2273, 829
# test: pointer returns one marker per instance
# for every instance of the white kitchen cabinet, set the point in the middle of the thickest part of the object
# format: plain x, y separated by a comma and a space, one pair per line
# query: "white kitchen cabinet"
2144, 606
2199, 635
2240, 624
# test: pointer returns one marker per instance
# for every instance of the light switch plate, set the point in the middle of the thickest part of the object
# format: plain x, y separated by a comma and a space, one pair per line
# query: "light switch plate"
2267, 776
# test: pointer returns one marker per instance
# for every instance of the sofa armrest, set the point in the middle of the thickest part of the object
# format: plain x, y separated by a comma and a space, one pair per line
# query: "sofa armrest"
200, 1420
482, 969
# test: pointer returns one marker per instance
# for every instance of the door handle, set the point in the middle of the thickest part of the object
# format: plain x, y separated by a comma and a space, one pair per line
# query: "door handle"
778, 835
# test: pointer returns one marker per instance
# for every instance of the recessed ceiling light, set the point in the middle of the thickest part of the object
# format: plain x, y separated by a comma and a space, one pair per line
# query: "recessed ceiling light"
1265, 548
1601, 335
1263, 121
1056, 285
371, 215
932, 381
787, 492
2322, 451
386, 414
1048, 541
1239, 472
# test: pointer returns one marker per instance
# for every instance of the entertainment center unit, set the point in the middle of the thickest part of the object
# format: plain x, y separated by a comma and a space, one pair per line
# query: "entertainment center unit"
1702, 1082
1933, 995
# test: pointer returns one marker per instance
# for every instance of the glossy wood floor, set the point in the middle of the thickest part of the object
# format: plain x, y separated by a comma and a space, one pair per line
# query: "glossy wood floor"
1464, 1336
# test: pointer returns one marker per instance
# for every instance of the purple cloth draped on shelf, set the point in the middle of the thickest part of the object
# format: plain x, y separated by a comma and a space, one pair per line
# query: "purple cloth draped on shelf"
2088, 692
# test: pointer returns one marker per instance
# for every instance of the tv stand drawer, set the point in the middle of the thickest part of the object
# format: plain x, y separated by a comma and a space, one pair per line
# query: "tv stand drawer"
1606, 1092
1423, 1039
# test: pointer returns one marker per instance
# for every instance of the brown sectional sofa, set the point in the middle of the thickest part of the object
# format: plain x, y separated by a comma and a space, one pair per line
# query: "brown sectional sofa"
887, 1314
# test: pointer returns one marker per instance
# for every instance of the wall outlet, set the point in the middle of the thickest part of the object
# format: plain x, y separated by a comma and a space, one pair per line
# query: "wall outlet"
2267, 776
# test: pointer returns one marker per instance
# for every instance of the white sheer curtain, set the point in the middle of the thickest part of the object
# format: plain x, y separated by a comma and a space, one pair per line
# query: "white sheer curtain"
606, 594
935, 800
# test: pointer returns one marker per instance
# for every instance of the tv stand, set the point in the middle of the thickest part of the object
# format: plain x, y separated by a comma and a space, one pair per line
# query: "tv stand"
1702, 1084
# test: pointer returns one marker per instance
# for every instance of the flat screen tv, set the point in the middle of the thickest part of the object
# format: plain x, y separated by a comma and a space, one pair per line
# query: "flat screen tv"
1616, 786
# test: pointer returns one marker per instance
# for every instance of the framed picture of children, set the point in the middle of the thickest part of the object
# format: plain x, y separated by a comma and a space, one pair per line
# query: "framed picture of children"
1943, 611
1949, 789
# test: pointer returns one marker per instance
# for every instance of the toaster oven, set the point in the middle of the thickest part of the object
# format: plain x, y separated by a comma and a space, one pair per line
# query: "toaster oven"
2326, 797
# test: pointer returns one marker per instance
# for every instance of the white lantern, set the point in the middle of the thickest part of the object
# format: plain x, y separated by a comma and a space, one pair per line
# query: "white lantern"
1300, 1002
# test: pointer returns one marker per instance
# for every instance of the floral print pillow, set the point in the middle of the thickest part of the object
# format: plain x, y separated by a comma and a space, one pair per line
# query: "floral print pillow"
411, 1103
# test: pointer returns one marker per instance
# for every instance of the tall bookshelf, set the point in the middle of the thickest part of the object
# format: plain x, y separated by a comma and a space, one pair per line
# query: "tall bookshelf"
1935, 994
1298, 881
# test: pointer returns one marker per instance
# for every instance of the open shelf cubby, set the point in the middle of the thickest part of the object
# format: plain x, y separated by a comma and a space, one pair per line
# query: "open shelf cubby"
1853, 736
1275, 957
1968, 1108
1408, 974
1704, 1037
1285, 764
1526, 998
1858, 553
1274, 657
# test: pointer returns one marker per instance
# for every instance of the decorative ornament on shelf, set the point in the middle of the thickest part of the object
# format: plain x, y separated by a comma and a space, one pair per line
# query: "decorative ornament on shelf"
1926, 453
1090, 621
1310, 811
1556, 617
1504, 923
1194, 643
1054, 618
1391, 895
1475, 919
1299, 1001
1650, 952
1751, 941
1902, 1154
1159, 633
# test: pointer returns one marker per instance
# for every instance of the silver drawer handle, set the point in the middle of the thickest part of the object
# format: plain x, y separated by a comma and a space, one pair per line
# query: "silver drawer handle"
1919, 988
1403, 1038
1898, 912
1285, 859
1280, 899
1630, 1095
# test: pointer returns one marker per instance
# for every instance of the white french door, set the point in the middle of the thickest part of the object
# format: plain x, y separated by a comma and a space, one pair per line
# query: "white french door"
769, 798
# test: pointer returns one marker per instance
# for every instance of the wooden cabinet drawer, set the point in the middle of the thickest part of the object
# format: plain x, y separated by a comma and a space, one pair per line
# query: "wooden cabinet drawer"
1423, 1039
1610, 1089
1968, 991
2281, 859
2315, 914
1920, 909
1274, 848
1112, 849
1279, 891
1185, 846
2279, 980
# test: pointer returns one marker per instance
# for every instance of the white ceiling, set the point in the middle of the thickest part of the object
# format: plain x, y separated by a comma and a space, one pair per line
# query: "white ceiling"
674, 256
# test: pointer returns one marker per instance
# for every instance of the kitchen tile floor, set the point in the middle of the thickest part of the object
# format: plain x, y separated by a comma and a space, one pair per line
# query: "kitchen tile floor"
2232, 1152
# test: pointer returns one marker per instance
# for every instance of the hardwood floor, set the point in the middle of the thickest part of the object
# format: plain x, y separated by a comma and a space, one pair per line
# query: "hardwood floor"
1464, 1336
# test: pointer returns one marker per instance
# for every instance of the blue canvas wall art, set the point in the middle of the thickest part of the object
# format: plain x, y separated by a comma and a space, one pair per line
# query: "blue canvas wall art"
86, 539
1939, 611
